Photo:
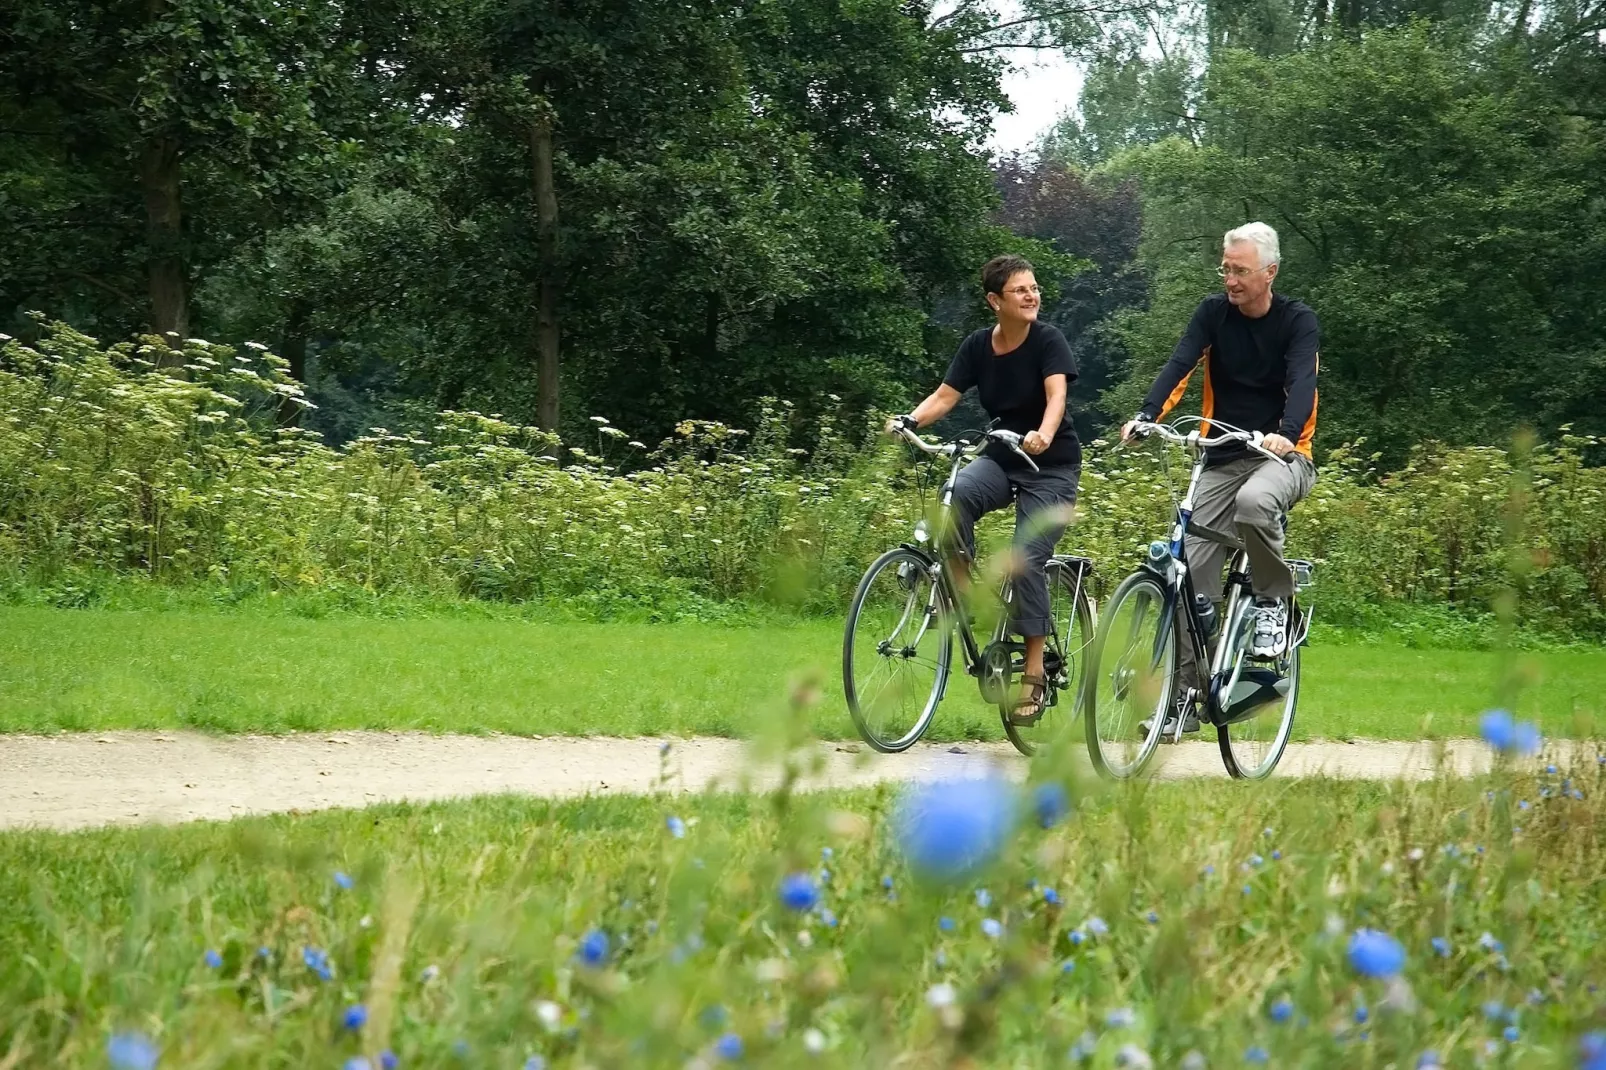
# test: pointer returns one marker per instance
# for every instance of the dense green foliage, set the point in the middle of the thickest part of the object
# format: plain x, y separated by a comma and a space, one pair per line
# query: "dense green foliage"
1169, 918
107, 464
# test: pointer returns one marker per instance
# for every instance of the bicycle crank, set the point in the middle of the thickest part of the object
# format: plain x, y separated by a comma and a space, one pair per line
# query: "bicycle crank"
998, 667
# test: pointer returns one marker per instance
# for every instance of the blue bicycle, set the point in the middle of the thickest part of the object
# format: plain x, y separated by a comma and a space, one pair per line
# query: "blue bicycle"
1132, 680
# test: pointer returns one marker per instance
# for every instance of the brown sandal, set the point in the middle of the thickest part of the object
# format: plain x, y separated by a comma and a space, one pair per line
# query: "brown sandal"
1034, 705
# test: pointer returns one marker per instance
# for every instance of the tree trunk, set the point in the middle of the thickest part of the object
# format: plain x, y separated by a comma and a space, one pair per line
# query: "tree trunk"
546, 300
294, 349
164, 242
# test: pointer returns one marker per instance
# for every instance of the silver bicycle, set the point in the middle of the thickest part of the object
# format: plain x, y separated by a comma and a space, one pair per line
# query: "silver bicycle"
1133, 675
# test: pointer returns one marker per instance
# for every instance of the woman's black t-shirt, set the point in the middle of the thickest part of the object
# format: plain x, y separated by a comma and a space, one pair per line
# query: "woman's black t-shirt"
1010, 386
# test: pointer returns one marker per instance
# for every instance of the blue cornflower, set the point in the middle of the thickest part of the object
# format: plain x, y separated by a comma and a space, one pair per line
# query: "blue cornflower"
1362, 1014
593, 949
1247, 889
132, 1051
212, 958
945, 923
1441, 947
1276, 856
1120, 1018
388, 1060
1096, 926
1375, 954
715, 1016
1511, 1033
886, 882
676, 827
1592, 1052
729, 1047
1208, 871
344, 880
1076, 937
948, 829
1281, 1010
1489, 943
317, 960
1522, 804
1551, 769
798, 892
1050, 804
1051, 897
1084, 1047
992, 927
535, 1062
1257, 1055
1154, 919
1068, 966
264, 953
1256, 860
356, 1017
828, 919
984, 898
826, 854
1535, 996
825, 875
1494, 1010
1429, 1060
1497, 729
1526, 739
357, 1062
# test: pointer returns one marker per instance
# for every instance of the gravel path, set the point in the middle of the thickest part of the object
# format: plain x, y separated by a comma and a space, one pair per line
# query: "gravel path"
78, 781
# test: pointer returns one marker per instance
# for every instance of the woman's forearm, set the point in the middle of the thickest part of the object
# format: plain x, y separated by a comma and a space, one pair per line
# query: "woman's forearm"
938, 404
1054, 411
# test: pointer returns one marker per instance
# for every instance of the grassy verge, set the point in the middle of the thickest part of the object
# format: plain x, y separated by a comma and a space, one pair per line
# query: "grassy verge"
85, 670
458, 927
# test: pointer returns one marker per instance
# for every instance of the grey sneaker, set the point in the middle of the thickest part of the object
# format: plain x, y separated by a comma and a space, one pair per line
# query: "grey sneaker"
1186, 709
1270, 637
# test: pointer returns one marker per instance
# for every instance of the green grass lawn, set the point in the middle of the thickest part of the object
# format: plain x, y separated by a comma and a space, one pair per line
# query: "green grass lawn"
85, 670
458, 926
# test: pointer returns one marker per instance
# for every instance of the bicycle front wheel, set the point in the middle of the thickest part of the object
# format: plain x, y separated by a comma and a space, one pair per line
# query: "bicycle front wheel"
1131, 678
1064, 657
895, 651
1253, 740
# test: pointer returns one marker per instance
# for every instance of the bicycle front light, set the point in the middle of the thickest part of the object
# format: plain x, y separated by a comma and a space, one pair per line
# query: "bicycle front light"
922, 531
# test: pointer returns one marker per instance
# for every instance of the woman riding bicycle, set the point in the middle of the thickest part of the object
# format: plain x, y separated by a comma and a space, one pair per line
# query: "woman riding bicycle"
1021, 370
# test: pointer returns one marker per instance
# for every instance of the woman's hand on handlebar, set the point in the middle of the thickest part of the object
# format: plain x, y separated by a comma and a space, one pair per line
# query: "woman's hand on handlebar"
1129, 432
900, 423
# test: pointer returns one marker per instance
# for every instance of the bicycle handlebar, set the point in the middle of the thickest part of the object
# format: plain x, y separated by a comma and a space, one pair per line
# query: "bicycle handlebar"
1252, 439
949, 449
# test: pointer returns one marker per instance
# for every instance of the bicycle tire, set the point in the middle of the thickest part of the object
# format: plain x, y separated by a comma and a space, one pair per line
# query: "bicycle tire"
859, 705
1074, 647
1244, 766
1163, 676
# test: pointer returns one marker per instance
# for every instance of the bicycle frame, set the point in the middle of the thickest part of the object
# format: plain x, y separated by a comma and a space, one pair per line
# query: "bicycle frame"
1170, 566
945, 557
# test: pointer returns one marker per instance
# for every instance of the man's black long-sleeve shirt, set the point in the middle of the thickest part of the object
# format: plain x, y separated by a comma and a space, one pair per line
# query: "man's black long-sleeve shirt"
1260, 374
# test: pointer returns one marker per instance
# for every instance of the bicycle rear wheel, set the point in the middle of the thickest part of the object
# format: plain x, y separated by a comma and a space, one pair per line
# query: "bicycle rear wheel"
895, 651
1064, 657
1131, 676
1253, 741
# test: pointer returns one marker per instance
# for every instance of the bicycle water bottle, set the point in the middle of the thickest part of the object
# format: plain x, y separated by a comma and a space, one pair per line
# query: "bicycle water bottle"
1204, 611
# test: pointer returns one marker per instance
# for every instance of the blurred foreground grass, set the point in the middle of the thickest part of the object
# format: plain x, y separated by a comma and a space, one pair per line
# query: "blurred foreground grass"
90, 670
456, 928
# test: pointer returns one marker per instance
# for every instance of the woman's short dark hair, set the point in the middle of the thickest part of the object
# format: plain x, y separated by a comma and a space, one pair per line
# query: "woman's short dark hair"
996, 273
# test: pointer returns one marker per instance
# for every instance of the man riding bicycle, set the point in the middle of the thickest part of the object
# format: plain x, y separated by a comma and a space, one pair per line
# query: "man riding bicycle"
1021, 369
1260, 353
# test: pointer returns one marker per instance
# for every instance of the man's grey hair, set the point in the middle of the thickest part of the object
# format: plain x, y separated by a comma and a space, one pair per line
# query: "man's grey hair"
1262, 237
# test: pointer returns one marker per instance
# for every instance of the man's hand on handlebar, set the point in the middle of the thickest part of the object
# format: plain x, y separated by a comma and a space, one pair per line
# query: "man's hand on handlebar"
1034, 442
1277, 444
